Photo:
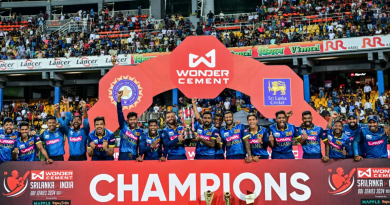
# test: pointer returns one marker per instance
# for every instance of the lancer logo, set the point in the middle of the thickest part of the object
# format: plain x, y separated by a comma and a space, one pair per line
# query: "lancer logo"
210, 64
15, 185
341, 183
362, 173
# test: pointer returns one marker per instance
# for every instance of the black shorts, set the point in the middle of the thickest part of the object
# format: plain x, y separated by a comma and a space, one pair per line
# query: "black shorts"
78, 158
57, 158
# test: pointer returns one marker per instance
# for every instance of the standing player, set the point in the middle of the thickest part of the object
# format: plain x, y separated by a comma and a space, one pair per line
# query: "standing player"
25, 147
101, 141
151, 144
54, 138
128, 149
350, 130
373, 138
311, 137
7, 139
232, 136
258, 139
337, 141
217, 123
173, 138
205, 137
284, 133
77, 136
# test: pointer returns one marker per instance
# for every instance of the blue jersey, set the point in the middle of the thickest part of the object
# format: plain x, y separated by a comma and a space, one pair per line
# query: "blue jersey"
257, 148
6, 144
222, 150
337, 144
207, 134
27, 149
312, 144
77, 139
350, 133
144, 145
171, 140
232, 138
54, 142
107, 136
375, 144
283, 138
129, 137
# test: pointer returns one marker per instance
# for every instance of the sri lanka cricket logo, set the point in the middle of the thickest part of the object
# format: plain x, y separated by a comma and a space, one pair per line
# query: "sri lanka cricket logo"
277, 86
132, 91
341, 183
15, 185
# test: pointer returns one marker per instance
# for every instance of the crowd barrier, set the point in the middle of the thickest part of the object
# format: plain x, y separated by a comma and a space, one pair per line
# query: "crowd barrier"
312, 47
184, 182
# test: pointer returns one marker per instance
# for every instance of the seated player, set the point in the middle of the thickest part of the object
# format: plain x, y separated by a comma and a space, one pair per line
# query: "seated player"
26, 145
101, 141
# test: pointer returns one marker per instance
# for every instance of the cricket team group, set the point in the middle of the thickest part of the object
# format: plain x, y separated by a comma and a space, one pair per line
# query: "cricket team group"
213, 141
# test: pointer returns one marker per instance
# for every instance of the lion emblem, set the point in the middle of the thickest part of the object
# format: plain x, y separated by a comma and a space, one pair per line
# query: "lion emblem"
277, 86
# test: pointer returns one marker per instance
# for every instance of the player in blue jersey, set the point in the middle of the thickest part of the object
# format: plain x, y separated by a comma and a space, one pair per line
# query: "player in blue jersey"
282, 134
338, 141
25, 146
54, 138
351, 129
128, 149
7, 139
217, 123
151, 144
311, 137
373, 138
232, 136
77, 136
205, 137
258, 140
173, 138
101, 141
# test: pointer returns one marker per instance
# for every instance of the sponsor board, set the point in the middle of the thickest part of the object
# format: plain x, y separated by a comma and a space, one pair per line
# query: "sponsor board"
184, 182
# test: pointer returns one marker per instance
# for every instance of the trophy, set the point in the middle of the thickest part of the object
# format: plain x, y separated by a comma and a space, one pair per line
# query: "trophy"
208, 196
188, 134
227, 197
187, 117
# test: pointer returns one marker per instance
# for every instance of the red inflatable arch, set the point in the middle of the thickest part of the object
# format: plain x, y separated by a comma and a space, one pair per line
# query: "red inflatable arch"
202, 67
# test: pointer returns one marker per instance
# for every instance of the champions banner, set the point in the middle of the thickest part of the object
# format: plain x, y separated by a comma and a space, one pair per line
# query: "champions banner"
184, 182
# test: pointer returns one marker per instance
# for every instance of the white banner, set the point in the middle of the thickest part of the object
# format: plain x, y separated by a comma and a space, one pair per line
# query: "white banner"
63, 63
358, 43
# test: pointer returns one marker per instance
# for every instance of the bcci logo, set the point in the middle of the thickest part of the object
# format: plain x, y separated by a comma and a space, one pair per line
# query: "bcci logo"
132, 91
277, 92
341, 183
15, 185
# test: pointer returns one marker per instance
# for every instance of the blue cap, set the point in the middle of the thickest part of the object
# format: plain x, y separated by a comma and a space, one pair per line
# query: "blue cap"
352, 114
372, 117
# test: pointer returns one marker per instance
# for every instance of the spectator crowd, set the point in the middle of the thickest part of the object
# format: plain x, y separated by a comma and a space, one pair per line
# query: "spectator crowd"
123, 33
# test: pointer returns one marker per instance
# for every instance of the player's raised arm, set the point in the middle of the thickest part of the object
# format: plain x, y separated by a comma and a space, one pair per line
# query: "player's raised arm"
197, 114
121, 118
331, 119
288, 115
